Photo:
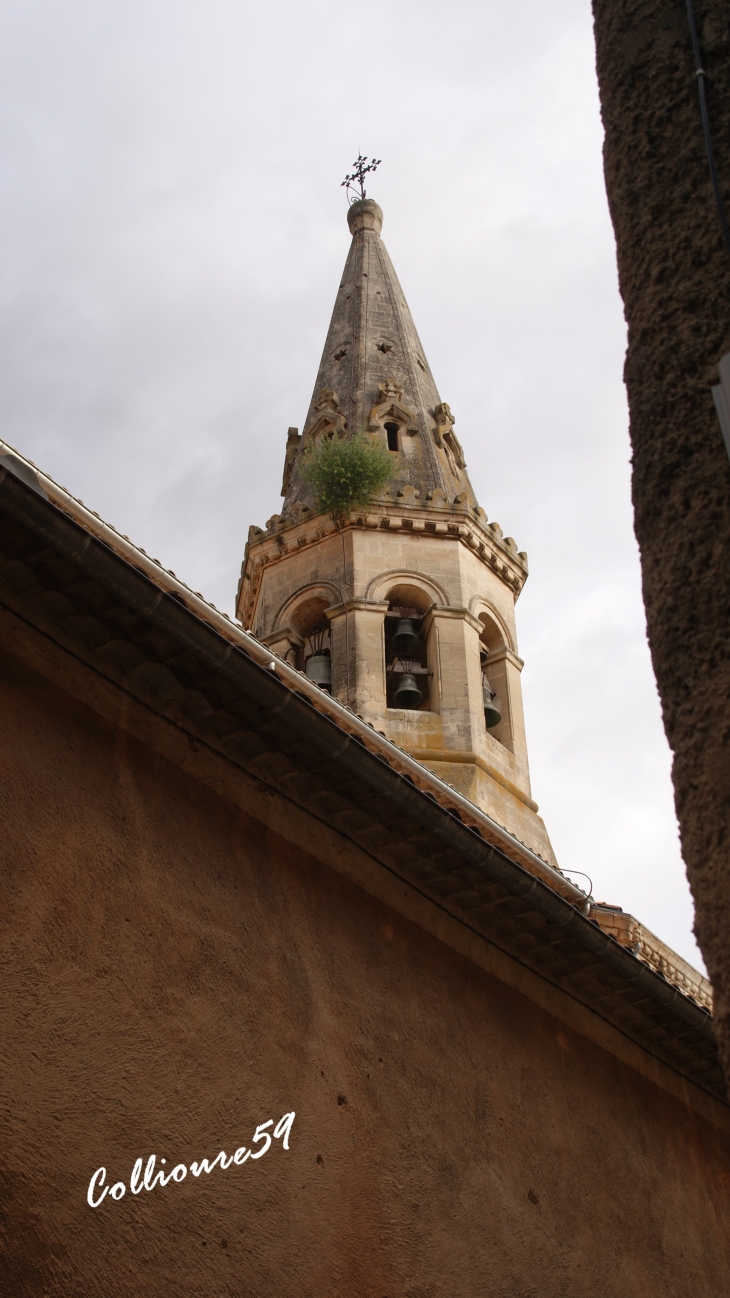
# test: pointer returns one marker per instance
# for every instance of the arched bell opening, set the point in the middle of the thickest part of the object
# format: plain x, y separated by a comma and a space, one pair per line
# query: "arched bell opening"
494, 682
408, 675
315, 656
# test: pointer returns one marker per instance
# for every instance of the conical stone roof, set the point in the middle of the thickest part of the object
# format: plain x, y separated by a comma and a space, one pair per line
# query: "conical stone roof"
374, 373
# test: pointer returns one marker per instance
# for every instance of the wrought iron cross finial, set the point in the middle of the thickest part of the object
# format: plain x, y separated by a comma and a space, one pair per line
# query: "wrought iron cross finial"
356, 181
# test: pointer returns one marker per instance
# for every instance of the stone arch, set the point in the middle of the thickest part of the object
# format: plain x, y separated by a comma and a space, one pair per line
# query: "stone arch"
495, 643
380, 587
408, 594
303, 624
306, 607
497, 634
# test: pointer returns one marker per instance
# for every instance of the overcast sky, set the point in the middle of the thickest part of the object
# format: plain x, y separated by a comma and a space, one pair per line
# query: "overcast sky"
173, 235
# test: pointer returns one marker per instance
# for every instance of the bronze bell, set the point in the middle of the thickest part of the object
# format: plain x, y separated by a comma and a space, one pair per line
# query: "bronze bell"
318, 668
492, 714
407, 694
405, 637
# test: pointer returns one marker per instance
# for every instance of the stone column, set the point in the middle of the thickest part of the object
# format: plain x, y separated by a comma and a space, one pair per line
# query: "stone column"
339, 636
503, 672
453, 652
358, 652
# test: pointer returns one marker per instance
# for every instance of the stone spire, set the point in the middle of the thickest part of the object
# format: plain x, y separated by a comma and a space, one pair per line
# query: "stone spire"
330, 596
374, 379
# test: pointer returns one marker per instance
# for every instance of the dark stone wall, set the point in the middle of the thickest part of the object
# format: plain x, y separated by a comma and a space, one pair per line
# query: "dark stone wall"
173, 975
674, 274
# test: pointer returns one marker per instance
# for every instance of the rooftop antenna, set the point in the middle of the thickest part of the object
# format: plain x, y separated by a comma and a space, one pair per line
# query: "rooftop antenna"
354, 185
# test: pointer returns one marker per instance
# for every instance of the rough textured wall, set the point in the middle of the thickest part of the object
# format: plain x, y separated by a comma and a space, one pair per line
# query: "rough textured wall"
174, 975
674, 275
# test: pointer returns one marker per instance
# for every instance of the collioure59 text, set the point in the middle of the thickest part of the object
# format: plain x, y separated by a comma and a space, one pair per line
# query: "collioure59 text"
150, 1179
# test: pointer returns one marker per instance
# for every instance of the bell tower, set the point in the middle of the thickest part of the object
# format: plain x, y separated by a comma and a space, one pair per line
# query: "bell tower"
404, 611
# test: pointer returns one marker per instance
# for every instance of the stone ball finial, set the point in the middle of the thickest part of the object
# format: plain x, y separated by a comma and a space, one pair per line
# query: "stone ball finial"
365, 215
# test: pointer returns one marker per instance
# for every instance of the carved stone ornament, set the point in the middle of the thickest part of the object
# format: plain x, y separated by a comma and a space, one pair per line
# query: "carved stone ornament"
293, 439
390, 407
390, 391
444, 435
330, 418
452, 443
327, 400
444, 422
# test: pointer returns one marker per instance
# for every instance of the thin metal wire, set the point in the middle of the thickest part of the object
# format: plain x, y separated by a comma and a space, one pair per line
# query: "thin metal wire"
701, 76
582, 874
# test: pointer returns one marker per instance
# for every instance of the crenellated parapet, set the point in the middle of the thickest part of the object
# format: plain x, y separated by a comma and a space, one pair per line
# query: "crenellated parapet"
304, 528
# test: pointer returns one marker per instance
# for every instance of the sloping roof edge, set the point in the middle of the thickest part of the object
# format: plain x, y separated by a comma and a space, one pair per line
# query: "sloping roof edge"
343, 716
85, 539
